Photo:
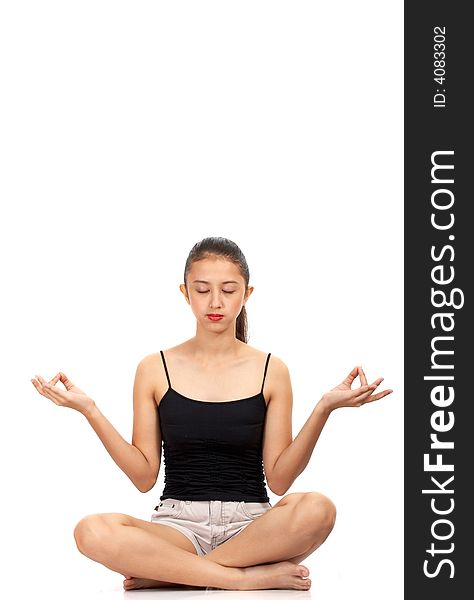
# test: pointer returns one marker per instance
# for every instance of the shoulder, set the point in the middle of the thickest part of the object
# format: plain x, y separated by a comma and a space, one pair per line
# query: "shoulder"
147, 370
277, 368
151, 365
151, 375
275, 364
278, 383
277, 377
150, 368
149, 361
154, 358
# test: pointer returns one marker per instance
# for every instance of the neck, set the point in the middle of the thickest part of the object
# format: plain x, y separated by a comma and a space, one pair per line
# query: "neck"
214, 345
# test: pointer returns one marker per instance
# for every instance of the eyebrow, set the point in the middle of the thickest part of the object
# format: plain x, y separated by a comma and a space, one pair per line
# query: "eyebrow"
203, 281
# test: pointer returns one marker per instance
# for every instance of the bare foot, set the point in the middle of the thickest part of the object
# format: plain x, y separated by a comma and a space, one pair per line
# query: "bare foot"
135, 583
283, 575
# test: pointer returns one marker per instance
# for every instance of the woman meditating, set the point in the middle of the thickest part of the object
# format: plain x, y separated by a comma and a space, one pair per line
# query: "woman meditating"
222, 410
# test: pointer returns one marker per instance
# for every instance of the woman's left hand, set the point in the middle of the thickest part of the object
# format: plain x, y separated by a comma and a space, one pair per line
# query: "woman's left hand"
344, 395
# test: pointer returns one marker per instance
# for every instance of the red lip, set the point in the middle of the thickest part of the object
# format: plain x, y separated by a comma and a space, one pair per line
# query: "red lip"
212, 317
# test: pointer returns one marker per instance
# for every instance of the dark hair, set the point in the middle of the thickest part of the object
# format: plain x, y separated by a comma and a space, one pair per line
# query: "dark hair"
220, 246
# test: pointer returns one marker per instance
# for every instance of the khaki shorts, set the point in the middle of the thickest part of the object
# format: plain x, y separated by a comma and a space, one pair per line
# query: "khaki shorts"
208, 523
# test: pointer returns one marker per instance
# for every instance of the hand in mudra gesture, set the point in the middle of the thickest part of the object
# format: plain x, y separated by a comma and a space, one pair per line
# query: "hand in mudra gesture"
344, 395
71, 397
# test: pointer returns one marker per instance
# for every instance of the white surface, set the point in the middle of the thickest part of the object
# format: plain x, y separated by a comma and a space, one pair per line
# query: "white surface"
129, 132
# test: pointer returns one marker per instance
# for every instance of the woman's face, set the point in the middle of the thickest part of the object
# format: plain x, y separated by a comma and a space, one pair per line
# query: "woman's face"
215, 286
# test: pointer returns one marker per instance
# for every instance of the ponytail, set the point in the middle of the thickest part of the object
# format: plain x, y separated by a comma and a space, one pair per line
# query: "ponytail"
241, 326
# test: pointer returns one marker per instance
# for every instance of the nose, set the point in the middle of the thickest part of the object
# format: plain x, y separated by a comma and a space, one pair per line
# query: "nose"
216, 300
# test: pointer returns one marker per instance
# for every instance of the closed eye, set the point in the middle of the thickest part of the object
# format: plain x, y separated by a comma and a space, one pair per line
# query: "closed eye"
225, 292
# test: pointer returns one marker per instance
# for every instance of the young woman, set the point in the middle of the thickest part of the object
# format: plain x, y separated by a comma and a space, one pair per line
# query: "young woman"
222, 410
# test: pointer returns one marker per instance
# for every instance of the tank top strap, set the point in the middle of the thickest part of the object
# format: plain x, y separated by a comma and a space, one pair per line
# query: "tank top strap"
265, 372
166, 368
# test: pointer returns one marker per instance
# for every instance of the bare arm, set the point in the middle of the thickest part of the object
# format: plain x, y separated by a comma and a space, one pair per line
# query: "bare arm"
290, 457
293, 460
284, 458
140, 460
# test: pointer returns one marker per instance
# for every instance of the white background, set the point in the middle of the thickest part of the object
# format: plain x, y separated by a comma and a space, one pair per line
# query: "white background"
130, 131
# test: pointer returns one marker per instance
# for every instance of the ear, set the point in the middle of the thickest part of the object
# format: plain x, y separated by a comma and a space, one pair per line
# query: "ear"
182, 287
247, 293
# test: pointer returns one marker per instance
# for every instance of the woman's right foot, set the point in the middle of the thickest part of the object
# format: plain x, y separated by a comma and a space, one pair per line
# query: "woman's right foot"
136, 583
283, 575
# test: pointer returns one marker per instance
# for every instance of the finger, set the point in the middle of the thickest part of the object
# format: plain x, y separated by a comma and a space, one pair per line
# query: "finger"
35, 383
371, 387
44, 388
352, 375
42, 383
45, 385
54, 380
379, 395
363, 378
57, 394
364, 390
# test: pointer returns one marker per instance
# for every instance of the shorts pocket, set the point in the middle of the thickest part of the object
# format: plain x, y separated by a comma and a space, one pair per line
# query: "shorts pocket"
168, 508
253, 510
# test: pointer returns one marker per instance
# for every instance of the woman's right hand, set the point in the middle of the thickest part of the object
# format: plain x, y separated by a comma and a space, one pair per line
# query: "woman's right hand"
71, 397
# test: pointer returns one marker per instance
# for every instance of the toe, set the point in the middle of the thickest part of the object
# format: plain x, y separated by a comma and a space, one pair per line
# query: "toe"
304, 571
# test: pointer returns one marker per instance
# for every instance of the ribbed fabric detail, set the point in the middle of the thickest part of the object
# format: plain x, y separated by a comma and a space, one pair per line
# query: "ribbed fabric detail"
213, 450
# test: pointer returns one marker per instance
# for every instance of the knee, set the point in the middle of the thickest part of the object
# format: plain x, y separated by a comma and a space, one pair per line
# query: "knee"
92, 531
317, 513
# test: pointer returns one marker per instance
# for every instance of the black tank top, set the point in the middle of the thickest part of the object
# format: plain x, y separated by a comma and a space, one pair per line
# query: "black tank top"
213, 450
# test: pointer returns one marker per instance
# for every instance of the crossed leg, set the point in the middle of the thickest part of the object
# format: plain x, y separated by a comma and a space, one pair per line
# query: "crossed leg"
297, 525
